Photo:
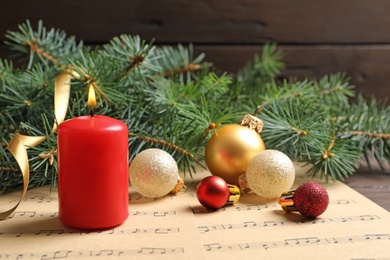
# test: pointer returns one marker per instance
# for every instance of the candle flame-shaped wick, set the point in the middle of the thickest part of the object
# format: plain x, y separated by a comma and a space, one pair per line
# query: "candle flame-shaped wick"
91, 97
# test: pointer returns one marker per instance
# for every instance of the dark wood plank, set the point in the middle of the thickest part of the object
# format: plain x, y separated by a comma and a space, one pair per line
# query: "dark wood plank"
209, 21
375, 185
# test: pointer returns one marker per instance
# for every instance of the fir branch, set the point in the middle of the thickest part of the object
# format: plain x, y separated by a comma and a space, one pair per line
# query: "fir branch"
184, 69
179, 62
293, 126
383, 136
163, 143
338, 159
6, 71
368, 126
132, 54
262, 69
33, 45
52, 45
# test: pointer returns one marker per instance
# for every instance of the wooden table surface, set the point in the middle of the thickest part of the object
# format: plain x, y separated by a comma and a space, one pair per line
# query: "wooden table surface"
373, 184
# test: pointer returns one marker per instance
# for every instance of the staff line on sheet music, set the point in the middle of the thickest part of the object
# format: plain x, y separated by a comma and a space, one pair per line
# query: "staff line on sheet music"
60, 232
272, 223
105, 253
292, 242
35, 214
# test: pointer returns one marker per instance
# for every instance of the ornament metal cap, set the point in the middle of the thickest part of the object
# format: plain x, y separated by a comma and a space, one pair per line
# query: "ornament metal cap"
179, 186
234, 194
287, 202
252, 123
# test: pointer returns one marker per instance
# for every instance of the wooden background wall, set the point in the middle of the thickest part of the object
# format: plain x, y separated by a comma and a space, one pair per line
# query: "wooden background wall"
317, 37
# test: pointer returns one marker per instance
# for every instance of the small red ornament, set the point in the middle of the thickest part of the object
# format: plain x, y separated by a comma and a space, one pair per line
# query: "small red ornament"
213, 192
310, 199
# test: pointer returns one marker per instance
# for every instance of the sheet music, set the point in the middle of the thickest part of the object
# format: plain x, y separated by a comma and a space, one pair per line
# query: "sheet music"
178, 227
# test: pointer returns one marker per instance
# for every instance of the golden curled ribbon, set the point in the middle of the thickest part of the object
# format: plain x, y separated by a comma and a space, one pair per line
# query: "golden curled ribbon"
20, 143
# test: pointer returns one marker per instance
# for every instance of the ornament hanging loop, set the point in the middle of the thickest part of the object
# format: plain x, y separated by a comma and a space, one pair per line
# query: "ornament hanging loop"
252, 123
258, 111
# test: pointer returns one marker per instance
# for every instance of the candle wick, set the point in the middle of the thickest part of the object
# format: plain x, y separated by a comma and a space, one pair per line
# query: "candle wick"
92, 112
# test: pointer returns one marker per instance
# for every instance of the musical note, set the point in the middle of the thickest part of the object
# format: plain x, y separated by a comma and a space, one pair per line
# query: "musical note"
166, 230
164, 214
227, 226
136, 230
249, 223
49, 232
57, 255
271, 223
253, 207
29, 214
343, 201
368, 217
332, 240
199, 210
136, 213
39, 198
32, 214
55, 214
63, 254
274, 224
244, 246
212, 247
378, 236
203, 229
154, 213
104, 253
293, 242
151, 250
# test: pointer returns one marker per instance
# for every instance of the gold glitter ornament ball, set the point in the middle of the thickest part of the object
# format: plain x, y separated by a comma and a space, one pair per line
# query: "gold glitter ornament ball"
153, 173
230, 149
270, 173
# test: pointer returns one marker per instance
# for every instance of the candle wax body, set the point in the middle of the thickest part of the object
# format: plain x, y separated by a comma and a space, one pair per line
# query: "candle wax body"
93, 172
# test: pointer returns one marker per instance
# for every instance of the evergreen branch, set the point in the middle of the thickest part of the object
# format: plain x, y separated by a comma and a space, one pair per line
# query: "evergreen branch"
164, 143
132, 54
179, 62
338, 160
327, 153
186, 68
293, 126
9, 169
262, 69
50, 45
33, 45
6, 71
383, 136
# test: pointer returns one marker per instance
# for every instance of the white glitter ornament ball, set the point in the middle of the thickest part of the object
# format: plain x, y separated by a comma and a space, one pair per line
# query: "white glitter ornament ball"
153, 173
270, 173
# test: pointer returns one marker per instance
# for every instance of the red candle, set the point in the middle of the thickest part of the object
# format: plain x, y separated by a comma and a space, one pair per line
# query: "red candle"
93, 172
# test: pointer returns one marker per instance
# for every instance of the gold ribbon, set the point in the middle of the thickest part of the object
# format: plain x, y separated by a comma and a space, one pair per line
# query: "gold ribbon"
20, 143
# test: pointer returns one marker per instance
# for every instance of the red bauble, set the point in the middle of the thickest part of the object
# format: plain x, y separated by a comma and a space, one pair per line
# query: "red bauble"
212, 192
311, 199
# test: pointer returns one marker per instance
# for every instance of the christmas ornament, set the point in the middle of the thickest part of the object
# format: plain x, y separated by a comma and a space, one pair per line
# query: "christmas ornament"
231, 147
154, 173
310, 199
270, 173
213, 192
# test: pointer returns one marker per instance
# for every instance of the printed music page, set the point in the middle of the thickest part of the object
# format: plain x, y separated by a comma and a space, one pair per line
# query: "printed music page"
178, 227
